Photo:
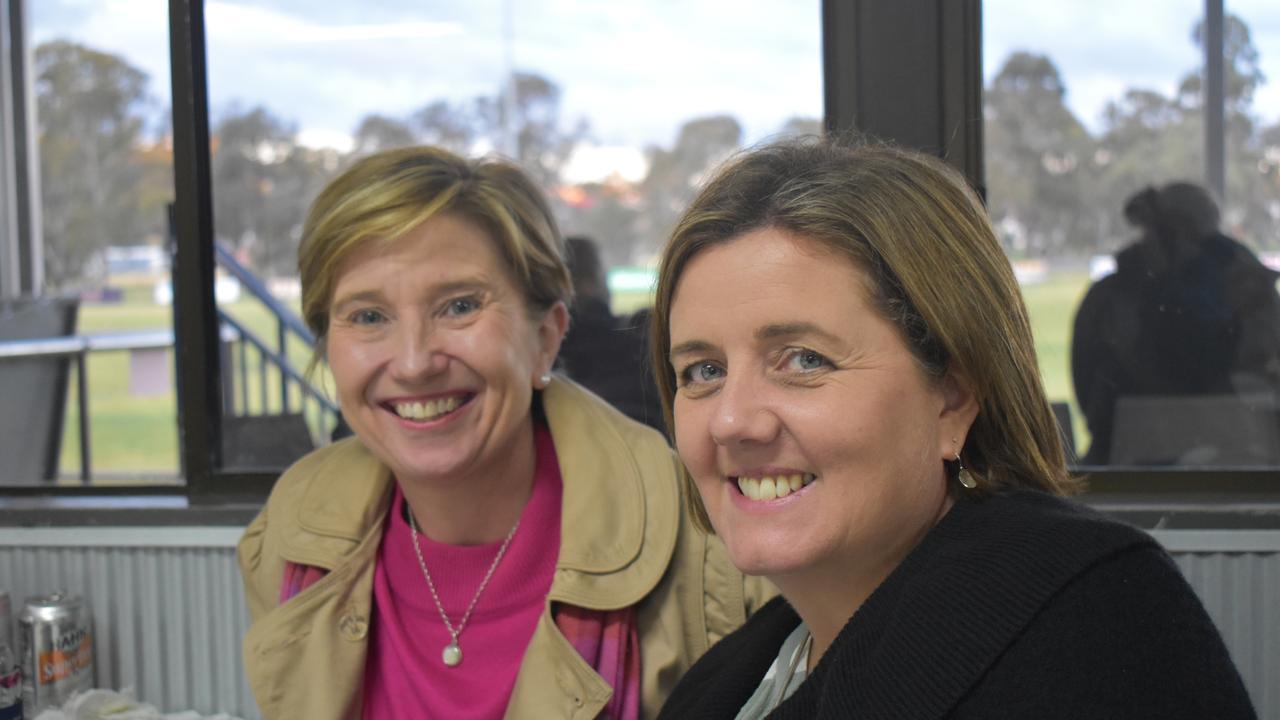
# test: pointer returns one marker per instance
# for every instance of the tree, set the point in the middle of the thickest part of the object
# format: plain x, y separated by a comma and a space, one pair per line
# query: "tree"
91, 108
1147, 139
262, 184
1038, 159
1152, 139
445, 125
523, 121
379, 132
675, 175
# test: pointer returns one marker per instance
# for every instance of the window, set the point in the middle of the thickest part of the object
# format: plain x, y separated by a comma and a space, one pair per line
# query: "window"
1159, 338
618, 135
101, 151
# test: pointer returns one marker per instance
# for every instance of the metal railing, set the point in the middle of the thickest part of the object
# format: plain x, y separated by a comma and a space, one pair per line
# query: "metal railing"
236, 340
253, 367
236, 369
272, 356
77, 348
287, 322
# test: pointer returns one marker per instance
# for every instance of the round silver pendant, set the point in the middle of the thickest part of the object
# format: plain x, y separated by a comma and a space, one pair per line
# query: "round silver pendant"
452, 654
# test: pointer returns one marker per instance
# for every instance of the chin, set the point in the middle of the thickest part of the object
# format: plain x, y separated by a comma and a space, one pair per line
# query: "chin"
768, 560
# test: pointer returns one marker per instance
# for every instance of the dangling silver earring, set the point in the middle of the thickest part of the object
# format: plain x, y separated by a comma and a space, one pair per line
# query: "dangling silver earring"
964, 476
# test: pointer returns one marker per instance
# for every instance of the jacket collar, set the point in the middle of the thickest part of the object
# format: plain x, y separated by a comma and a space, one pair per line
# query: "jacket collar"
619, 518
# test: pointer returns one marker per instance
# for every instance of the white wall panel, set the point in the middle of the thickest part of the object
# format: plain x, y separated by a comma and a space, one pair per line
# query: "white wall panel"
169, 608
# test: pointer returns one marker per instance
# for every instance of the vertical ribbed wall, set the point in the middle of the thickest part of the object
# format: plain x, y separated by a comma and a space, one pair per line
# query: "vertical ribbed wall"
1241, 592
168, 620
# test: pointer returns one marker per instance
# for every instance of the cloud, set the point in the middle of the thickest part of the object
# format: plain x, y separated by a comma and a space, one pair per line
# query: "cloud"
635, 70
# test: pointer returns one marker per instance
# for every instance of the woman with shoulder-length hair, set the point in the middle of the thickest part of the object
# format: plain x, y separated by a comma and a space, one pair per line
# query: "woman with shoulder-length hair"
494, 541
848, 369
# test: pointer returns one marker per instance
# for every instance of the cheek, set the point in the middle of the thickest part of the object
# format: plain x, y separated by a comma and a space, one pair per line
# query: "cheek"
349, 362
693, 443
498, 350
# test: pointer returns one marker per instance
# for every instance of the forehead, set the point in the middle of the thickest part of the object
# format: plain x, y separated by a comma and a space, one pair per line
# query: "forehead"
767, 275
444, 248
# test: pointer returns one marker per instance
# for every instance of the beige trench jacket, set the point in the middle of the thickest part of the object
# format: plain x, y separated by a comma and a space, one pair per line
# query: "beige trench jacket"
625, 539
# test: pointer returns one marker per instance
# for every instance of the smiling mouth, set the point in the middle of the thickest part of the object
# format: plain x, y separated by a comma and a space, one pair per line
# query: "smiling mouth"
428, 410
773, 487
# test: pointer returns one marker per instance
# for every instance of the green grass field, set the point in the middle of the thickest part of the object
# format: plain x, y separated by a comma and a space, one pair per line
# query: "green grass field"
135, 436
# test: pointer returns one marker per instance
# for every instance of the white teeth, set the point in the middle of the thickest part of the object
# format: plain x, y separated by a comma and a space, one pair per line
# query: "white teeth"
771, 487
428, 410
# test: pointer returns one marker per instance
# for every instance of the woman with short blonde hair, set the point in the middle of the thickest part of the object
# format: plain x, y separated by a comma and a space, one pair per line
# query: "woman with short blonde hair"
494, 542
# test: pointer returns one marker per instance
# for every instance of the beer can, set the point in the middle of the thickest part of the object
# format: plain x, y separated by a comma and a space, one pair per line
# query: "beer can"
10, 670
56, 633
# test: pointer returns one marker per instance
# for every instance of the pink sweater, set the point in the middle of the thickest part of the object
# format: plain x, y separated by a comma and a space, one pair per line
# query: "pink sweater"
405, 676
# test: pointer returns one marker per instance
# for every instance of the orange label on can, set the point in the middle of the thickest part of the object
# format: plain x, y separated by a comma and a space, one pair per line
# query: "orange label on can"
67, 660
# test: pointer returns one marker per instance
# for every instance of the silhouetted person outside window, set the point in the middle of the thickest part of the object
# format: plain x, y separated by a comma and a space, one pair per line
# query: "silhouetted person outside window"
607, 354
1188, 311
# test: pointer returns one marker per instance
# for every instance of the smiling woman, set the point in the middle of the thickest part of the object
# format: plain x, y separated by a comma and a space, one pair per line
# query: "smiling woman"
494, 541
847, 363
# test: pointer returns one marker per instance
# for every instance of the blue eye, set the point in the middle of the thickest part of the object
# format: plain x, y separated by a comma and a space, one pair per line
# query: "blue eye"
806, 360
461, 306
701, 372
366, 317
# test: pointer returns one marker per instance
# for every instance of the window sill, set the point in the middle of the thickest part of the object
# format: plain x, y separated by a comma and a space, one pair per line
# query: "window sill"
121, 511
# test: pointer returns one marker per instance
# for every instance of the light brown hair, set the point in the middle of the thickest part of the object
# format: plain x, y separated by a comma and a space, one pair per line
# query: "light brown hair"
937, 273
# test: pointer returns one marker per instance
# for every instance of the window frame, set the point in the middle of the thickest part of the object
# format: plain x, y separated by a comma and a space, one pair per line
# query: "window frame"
936, 45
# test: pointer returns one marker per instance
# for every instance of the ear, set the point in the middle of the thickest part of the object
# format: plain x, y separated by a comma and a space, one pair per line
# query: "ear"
551, 330
959, 410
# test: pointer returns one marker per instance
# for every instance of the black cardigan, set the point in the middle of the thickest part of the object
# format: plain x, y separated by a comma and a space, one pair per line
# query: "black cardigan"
1021, 605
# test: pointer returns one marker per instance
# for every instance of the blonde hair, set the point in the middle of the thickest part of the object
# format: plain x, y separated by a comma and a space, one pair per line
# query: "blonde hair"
383, 196
937, 273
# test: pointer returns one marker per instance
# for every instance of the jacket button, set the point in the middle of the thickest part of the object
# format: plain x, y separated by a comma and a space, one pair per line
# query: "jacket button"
353, 626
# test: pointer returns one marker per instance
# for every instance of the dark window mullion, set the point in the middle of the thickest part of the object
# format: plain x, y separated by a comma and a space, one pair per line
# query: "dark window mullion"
194, 311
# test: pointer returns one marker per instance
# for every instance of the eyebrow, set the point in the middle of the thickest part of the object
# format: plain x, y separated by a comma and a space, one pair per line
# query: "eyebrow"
767, 333
374, 296
367, 296
794, 329
690, 347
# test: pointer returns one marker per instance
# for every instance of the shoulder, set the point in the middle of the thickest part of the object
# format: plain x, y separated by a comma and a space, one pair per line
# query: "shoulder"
587, 431
722, 679
328, 480
322, 506
1126, 638
1035, 528
964, 595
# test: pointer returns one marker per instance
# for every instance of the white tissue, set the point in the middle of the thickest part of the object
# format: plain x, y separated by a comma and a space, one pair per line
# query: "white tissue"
112, 705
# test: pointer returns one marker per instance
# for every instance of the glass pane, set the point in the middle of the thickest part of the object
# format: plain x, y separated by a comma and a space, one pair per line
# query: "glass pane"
1170, 358
101, 85
1252, 65
616, 109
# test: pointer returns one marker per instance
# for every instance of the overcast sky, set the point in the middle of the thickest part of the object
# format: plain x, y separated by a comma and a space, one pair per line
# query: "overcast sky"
634, 71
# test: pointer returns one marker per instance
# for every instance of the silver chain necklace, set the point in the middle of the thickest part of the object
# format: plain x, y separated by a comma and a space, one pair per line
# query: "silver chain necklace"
452, 654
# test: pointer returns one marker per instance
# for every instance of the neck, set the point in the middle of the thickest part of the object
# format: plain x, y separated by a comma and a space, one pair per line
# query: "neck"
826, 596
481, 507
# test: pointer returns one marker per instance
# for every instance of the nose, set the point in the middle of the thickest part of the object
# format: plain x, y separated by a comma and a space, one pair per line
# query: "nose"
417, 352
742, 413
